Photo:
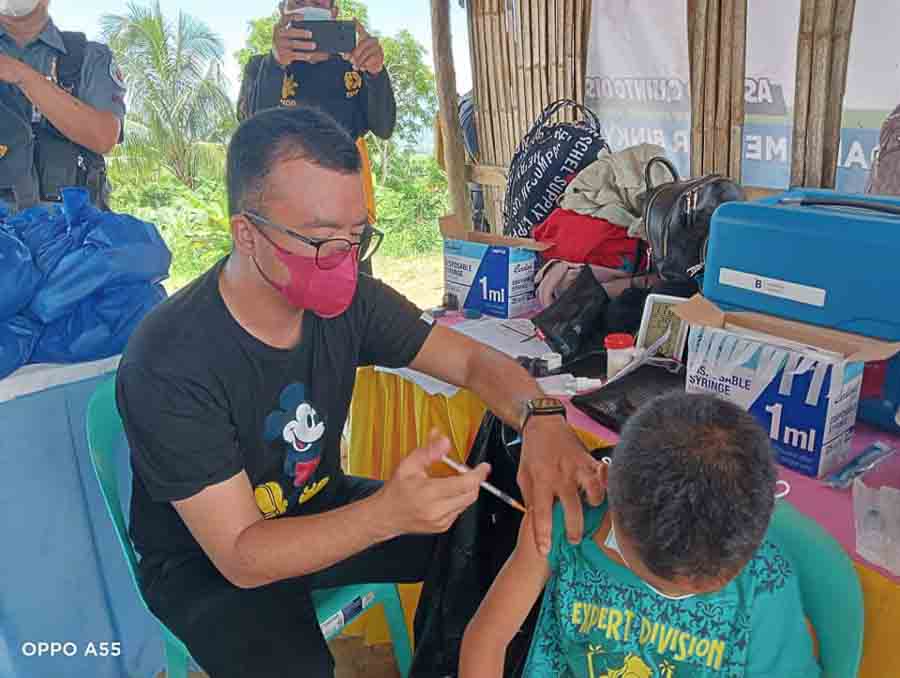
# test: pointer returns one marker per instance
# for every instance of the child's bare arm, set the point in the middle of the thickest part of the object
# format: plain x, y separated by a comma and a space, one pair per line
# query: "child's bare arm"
504, 608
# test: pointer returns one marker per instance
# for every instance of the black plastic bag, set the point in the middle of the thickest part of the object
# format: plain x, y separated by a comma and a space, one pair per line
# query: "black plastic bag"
466, 561
576, 316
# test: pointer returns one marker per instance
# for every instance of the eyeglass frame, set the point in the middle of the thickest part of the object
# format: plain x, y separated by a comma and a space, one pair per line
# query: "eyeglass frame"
365, 237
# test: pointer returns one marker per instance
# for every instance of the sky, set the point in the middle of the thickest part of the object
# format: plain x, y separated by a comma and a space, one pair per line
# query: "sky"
230, 20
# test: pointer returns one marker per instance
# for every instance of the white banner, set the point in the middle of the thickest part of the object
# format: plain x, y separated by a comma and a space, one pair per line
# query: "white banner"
771, 73
873, 88
638, 75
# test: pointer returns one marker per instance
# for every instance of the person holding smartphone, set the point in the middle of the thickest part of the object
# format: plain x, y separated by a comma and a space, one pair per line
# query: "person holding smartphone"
353, 87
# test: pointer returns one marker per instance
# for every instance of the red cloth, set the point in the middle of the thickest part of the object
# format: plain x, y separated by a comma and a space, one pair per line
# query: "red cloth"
581, 239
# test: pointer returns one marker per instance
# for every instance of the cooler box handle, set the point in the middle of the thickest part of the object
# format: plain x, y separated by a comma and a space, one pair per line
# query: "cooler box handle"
883, 207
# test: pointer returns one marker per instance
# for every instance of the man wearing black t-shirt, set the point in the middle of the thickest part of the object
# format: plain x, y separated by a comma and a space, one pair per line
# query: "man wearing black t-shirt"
234, 394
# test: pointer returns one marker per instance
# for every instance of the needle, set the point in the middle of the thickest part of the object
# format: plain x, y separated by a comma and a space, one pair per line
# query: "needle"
462, 468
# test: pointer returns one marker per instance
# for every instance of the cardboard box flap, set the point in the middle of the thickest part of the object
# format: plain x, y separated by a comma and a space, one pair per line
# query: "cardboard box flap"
855, 348
699, 310
452, 228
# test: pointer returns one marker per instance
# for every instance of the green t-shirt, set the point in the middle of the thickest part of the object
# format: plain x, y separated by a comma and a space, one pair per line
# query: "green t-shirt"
599, 620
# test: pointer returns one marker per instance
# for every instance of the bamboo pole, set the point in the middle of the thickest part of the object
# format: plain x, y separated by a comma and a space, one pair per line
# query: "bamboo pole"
582, 38
528, 64
698, 83
802, 95
518, 76
819, 86
552, 41
490, 86
843, 29
540, 12
723, 99
563, 67
499, 77
710, 96
480, 93
445, 73
487, 123
570, 67
739, 74
509, 78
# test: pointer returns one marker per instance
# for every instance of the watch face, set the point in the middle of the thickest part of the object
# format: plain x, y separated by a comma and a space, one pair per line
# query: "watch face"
539, 405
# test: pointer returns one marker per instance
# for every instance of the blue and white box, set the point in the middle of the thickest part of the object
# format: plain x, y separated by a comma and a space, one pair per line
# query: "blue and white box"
491, 274
801, 382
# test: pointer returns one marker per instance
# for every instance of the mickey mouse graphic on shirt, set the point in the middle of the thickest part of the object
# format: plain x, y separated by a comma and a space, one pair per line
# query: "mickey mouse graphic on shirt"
299, 430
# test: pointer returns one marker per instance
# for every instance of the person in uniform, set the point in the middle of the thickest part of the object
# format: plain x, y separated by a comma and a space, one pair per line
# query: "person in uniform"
354, 89
62, 103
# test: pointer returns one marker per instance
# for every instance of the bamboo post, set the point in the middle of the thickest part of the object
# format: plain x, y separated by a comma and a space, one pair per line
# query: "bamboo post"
553, 44
698, 82
723, 100
445, 73
710, 96
739, 72
843, 28
583, 19
528, 64
819, 91
518, 79
802, 95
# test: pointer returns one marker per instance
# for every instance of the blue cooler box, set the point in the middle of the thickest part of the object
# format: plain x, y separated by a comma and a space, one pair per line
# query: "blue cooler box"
820, 257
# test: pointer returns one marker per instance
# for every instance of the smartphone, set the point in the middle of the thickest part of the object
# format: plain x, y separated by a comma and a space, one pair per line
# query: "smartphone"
333, 37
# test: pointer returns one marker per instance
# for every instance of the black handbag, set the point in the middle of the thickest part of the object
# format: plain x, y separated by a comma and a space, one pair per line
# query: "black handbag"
677, 216
541, 165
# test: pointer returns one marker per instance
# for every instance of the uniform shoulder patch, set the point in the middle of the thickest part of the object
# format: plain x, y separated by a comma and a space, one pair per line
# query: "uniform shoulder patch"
115, 72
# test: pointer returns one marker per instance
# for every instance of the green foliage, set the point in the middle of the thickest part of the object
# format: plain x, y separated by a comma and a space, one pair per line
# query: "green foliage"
180, 115
193, 221
409, 205
171, 169
412, 79
259, 40
414, 87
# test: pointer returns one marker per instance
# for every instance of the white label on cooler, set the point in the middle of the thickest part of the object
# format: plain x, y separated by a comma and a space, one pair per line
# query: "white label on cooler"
804, 294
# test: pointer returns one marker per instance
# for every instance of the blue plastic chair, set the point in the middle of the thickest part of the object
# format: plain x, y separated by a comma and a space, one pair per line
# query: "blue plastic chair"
829, 585
105, 434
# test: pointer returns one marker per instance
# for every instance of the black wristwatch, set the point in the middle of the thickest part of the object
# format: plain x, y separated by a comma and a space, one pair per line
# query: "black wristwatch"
543, 407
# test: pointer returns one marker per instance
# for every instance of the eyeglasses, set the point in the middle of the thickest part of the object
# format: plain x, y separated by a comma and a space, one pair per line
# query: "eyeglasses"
331, 252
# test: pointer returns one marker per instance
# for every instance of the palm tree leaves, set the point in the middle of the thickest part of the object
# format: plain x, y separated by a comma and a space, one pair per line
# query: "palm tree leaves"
180, 115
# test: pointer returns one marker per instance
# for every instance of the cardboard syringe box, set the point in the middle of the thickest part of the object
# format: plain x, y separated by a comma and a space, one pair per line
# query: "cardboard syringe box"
491, 274
800, 381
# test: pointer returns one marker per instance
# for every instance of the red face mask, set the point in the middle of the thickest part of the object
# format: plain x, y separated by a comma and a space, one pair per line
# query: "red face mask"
327, 293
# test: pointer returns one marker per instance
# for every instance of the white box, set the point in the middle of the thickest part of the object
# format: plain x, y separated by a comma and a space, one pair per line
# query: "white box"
801, 382
489, 273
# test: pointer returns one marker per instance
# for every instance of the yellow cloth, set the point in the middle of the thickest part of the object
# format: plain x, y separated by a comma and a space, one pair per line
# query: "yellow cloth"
368, 183
390, 417
882, 600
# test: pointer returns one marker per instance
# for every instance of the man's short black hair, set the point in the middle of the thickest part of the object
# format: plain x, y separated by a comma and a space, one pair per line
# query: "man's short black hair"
279, 135
692, 484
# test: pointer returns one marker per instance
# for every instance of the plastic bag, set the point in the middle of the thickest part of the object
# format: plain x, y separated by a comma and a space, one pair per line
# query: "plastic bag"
116, 250
577, 315
100, 326
18, 337
19, 277
466, 560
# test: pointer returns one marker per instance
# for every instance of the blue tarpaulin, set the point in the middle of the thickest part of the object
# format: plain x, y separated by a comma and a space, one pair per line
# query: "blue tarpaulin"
75, 281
